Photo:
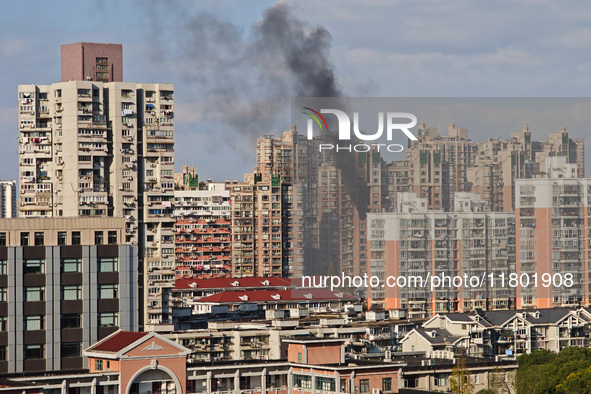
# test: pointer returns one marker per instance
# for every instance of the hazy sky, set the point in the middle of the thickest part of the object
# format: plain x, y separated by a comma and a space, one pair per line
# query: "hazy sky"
427, 48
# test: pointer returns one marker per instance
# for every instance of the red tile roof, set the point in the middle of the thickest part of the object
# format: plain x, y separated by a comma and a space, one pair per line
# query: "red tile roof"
226, 283
276, 295
119, 341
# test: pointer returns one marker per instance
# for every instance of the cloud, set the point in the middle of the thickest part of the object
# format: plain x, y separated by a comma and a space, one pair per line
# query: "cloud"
577, 38
11, 47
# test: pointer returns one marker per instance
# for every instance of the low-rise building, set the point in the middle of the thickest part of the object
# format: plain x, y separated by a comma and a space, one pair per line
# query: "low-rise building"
502, 333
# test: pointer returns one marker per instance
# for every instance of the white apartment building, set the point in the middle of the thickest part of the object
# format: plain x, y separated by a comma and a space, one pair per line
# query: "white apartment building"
213, 203
8, 195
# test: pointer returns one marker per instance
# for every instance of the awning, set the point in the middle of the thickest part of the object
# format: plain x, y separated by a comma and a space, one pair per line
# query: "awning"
149, 105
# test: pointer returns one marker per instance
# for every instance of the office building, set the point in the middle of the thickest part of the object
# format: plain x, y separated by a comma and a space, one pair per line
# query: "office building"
65, 283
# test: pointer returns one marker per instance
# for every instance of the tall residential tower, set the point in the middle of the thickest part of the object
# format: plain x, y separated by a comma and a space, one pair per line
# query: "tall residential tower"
97, 146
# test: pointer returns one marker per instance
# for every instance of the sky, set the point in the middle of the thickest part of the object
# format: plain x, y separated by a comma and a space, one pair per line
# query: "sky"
228, 90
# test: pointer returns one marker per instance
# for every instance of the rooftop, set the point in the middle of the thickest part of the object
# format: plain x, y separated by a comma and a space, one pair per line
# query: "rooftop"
276, 295
229, 283
117, 341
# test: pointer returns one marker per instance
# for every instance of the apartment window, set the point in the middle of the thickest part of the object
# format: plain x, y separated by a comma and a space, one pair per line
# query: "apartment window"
364, 386
75, 237
38, 238
108, 319
71, 320
108, 264
98, 237
3, 323
3, 294
3, 267
34, 293
302, 382
324, 384
71, 265
98, 365
61, 237
386, 384
3, 353
440, 379
71, 349
112, 237
34, 323
71, 292
24, 239
34, 266
2, 239
34, 352
108, 291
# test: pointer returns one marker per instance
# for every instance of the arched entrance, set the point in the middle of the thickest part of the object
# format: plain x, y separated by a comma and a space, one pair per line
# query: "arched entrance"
154, 380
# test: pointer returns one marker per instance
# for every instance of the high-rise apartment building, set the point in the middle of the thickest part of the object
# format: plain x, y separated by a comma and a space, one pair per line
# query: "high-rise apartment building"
261, 226
553, 238
8, 195
96, 148
65, 283
203, 230
298, 212
416, 242
438, 166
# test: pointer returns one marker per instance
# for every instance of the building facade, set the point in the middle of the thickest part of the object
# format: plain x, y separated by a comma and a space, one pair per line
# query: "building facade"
437, 166
8, 194
417, 243
553, 239
64, 284
93, 148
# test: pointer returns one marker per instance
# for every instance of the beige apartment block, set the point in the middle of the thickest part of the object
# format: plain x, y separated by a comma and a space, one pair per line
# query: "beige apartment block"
552, 219
437, 166
93, 149
422, 243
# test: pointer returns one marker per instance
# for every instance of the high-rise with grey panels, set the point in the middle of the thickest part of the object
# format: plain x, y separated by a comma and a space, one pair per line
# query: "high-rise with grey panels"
65, 283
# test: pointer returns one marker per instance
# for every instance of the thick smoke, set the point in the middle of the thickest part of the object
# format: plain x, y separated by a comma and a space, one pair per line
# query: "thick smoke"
304, 50
241, 84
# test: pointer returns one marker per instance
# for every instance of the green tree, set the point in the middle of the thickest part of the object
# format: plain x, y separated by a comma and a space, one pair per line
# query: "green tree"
577, 382
548, 372
459, 382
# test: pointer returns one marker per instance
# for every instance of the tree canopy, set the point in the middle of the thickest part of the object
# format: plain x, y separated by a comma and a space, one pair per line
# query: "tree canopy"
543, 371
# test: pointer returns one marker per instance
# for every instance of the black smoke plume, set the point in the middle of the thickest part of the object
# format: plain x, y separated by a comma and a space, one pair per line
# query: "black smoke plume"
242, 84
